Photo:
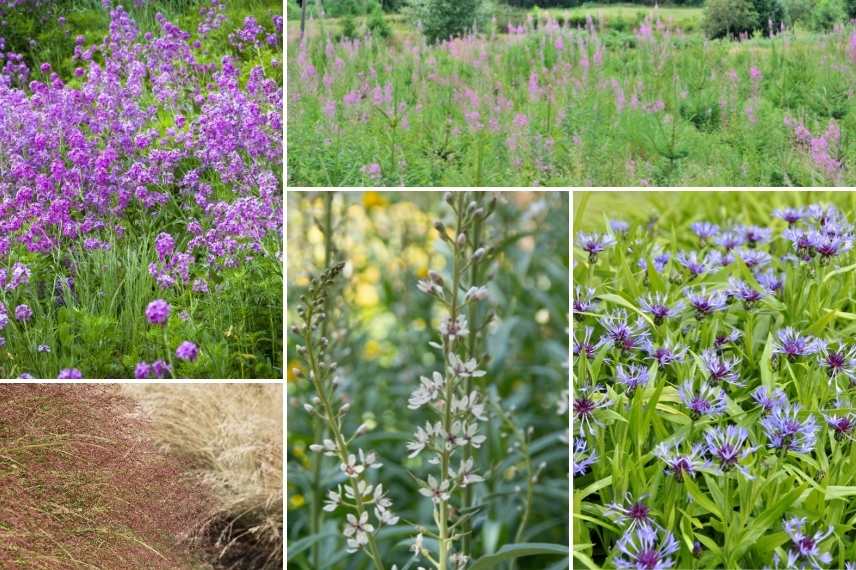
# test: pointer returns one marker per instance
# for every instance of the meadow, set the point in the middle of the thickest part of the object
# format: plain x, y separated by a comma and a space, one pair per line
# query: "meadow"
427, 355
141, 476
594, 96
713, 380
141, 189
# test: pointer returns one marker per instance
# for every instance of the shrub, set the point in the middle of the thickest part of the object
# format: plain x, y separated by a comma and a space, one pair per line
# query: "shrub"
827, 13
771, 14
797, 11
377, 24
444, 19
850, 6
730, 18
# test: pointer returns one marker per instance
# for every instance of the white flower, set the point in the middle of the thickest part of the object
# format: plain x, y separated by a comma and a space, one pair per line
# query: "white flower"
357, 531
428, 391
352, 468
369, 460
456, 329
459, 560
436, 490
423, 437
416, 547
469, 404
467, 434
466, 473
362, 488
430, 287
476, 293
468, 369
329, 448
333, 500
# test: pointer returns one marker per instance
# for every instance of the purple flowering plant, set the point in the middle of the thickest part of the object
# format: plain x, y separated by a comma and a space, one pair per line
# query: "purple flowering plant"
737, 416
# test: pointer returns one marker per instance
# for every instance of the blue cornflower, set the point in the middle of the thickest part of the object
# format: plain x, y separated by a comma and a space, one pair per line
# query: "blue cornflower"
803, 241
660, 261
785, 431
744, 292
706, 303
770, 400
754, 258
704, 230
770, 281
642, 548
585, 347
586, 405
831, 245
583, 458
634, 515
706, 401
824, 215
729, 240
680, 464
619, 227
792, 345
842, 360
594, 243
692, 263
790, 215
619, 333
667, 353
842, 425
584, 300
658, 307
721, 368
728, 447
633, 376
723, 340
717, 259
805, 550
755, 235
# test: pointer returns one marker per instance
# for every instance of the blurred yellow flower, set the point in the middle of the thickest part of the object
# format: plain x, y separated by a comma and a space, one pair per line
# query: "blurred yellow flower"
296, 501
373, 199
367, 295
372, 349
290, 375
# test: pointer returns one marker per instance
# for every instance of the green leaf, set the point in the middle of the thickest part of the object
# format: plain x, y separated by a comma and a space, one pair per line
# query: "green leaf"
764, 364
839, 492
512, 551
596, 486
304, 544
701, 499
619, 300
586, 560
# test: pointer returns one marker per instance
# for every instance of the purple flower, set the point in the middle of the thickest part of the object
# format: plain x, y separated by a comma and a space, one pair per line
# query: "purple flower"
770, 281
660, 261
792, 345
680, 464
594, 243
642, 548
583, 458
704, 230
142, 371
633, 376
790, 215
69, 374
721, 368
770, 400
164, 245
707, 401
619, 227
729, 240
805, 550
657, 306
667, 353
635, 514
830, 246
618, 333
23, 313
755, 235
586, 405
706, 303
742, 291
693, 263
157, 312
841, 361
754, 258
187, 351
584, 301
584, 347
728, 447
785, 431
842, 425
722, 340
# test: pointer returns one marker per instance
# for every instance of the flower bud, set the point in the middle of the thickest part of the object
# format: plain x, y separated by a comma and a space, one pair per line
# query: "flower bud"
462, 239
479, 253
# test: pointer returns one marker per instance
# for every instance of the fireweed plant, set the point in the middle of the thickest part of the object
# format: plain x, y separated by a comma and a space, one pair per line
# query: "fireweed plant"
713, 417
141, 200
450, 416
541, 102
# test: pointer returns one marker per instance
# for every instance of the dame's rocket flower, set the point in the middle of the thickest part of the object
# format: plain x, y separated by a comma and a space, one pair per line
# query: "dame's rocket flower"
706, 401
784, 430
643, 548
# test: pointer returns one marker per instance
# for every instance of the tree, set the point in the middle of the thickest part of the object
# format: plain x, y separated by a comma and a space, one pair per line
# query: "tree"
444, 19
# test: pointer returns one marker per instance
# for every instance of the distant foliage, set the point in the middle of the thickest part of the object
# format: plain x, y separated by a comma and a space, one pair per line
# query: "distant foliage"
444, 19
730, 18
827, 13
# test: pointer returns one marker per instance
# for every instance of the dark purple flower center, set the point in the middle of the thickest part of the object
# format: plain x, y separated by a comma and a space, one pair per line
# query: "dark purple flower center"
700, 405
648, 559
638, 511
842, 425
583, 407
835, 362
806, 545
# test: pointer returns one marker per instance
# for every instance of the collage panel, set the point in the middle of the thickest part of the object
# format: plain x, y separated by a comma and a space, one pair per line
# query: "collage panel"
141, 476
141, 189
714, 376
427, 380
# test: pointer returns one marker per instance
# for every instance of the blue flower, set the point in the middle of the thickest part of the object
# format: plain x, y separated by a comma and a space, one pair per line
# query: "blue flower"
790, 215
679, 464
584, 301
706, 303
620, 334
721, 368
706, 401
704, 230
770, 400
583, 458
594, 243
658, 307
754, 258
792, 345
785, 431
644, 548
633, 376
742, 291
667, 353
841, 361
805, 550
729, 240
728, 447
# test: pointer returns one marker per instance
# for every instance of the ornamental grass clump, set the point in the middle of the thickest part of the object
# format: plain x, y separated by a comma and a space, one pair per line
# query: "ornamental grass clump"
716, 384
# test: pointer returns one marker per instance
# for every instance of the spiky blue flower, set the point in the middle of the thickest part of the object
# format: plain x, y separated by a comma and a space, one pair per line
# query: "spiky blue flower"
657, 305
729, 240
844, 423
584, 301
620, 334
706, 303
754, 258
770, 281
805, 550
704, 230
790, 215
660, 261
644, 549
756, 235
706, 401
770, 400
586, 404
584, 346
666, 353
678, 463
634, 515
728, 447
744, 292
632, 376
692, 262
594, 243
785, 431
723, 340
840, 360
721, 368
792, 345
583, 458
619, 227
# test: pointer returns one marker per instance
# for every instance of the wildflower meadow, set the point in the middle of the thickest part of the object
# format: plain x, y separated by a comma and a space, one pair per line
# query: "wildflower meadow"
592, 96
714, 375
427, 383
141, 189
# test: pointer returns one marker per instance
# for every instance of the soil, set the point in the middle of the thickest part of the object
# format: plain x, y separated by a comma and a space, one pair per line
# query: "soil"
82, 485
